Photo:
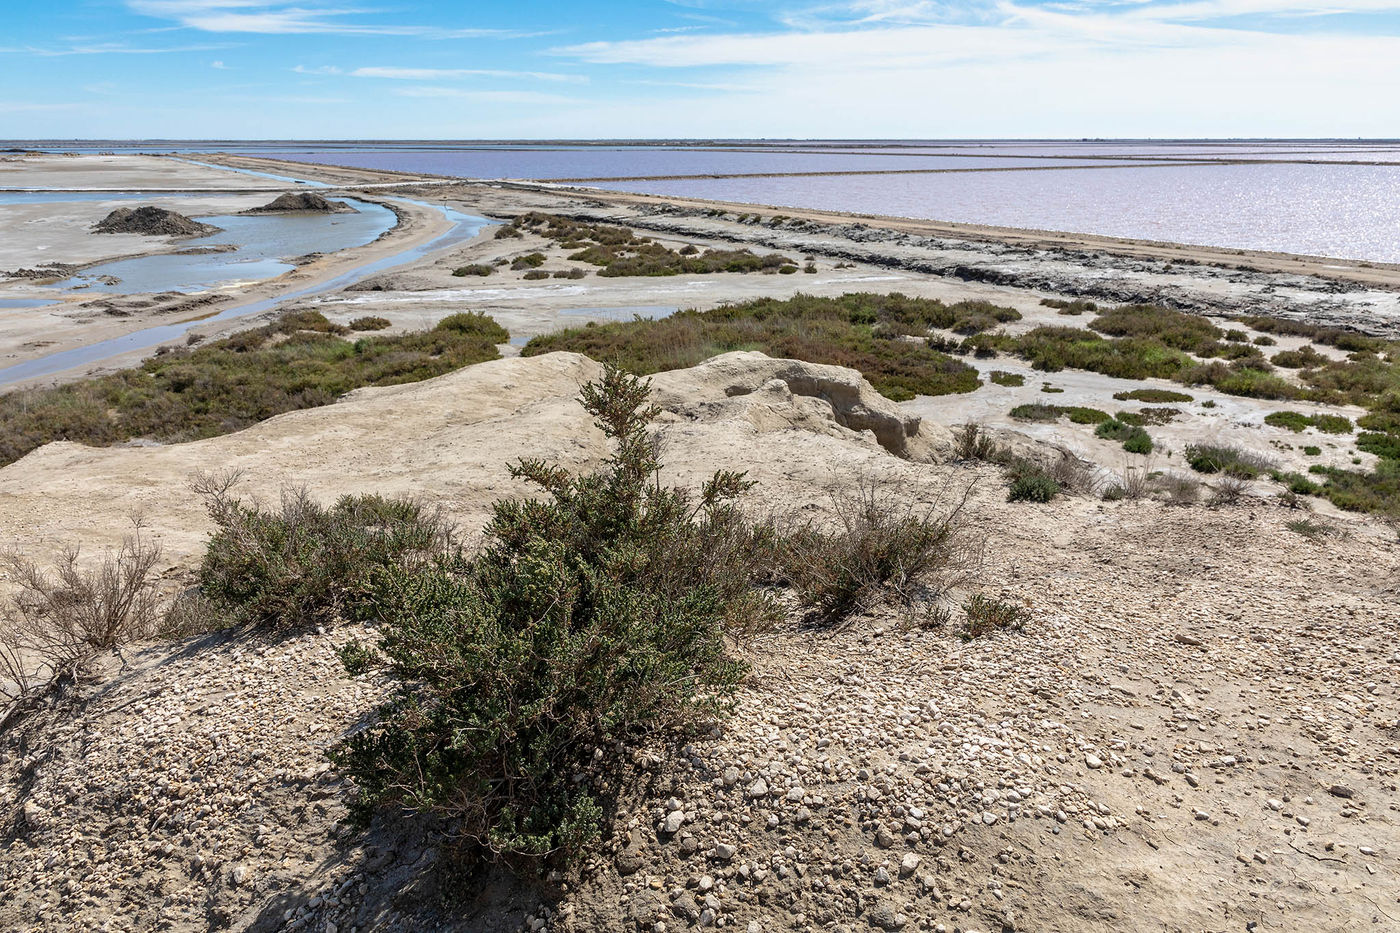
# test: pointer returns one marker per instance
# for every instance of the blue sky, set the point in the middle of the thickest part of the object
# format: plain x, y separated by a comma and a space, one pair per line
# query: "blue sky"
382, 69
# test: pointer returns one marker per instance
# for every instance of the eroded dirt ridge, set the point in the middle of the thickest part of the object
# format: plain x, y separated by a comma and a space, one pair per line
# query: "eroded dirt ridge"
1196, 731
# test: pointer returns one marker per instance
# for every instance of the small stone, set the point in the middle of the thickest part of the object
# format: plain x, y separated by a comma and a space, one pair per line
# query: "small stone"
883, 916
908, 865
759, 788
731, 776
882, 876
1275, 804
724, 851
674, 821
1093, 761
1341, 790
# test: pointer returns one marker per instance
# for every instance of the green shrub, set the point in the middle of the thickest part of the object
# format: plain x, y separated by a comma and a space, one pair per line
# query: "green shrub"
370, 323
1152, 396
985, 615
1223, 458
1030, 483
1189, 332
1135, 440
851, 330
1332, 424
299, 361
528, 261
474, 323
304, 564
1385, 446
1292, 420
1138, 442
590, 618
1264, 340
1002, 378
1312, 451
476, 268
1036, 412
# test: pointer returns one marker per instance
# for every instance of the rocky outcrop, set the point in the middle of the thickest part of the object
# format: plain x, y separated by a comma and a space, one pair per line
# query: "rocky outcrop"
302, 202
149, 220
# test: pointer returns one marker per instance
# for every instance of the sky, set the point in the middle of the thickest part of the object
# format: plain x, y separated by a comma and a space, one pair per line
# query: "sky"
633, 69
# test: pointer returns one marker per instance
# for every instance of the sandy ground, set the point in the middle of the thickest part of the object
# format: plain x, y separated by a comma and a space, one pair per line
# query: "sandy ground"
61, 233
893, 256
1197, 731
39, 171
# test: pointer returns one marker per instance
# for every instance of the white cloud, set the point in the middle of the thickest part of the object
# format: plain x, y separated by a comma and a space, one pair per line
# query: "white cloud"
1032, 72
486, 97
218, 66
270, 17
442, 74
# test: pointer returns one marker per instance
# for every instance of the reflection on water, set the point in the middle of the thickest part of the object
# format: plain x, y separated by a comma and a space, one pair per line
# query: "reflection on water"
25, 303
263, 244
464, 227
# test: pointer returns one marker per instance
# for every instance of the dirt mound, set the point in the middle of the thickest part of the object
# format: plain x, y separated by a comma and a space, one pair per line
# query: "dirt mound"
302, 202
149, 220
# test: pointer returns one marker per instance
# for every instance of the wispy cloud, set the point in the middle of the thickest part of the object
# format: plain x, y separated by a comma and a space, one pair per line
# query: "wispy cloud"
490, 97
267, 17
444, 74
218, 66
114, 48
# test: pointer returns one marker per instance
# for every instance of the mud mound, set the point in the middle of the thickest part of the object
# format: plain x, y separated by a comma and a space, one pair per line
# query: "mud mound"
302, 202
150, 220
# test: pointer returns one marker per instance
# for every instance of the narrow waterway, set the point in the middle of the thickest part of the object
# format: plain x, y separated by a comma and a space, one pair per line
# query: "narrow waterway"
464, 227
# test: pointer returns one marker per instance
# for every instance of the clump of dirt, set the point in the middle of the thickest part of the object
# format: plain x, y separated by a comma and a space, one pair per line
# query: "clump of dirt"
302, 202
150, 220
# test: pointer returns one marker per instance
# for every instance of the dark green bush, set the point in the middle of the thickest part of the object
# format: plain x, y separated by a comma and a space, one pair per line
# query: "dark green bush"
1036, 412
1386, 446
1292, 420
1134, 439
986, 614
1223, 458
370, 323
590, 618
476, 268
1152, 396
304, 564
1030, 482
528, 261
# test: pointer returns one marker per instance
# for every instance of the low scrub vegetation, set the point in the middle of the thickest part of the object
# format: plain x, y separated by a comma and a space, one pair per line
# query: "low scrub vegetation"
619, 251
299, 361
1002, 378
985, 615
1152, 396
862, 331
1072, 308
56, 621
1042, 412
1227, 459
591, 617
879, 550
303, 564
474, 269
1135, 440
370, 323
1297, 421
